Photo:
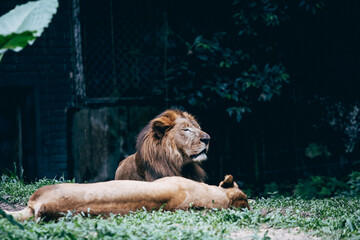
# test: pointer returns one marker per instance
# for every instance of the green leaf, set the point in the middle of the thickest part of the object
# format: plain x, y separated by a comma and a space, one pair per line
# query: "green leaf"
15, 40
16, 25
350, 224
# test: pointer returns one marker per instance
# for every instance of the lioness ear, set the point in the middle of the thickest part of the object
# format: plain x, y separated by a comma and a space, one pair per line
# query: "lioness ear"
228, 182
161, 125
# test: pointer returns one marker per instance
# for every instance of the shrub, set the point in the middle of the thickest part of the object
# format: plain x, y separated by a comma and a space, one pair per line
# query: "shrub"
354, 184
319, 187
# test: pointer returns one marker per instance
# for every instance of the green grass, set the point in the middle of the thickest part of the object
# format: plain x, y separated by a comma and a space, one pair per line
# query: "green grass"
16, 191
332, 218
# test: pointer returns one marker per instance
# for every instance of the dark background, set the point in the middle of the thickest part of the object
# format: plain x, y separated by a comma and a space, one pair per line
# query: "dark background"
287, 73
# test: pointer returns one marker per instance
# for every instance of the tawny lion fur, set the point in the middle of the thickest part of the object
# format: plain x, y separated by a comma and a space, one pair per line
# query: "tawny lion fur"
122, 197
172, 144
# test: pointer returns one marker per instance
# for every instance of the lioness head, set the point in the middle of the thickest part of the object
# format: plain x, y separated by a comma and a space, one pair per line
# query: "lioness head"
237, 197
179, 130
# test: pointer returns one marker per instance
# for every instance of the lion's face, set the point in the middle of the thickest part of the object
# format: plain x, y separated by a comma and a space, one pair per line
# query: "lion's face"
190, 139
172, 144
181, 135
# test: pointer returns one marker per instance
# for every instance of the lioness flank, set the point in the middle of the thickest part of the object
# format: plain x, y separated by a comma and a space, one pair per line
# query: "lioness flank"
122, 197
172, 144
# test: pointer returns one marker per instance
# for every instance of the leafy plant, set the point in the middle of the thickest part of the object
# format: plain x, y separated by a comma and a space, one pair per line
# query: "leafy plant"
319, 187
271, 188
345, 119
316, 150
234, 68
354, 183
22, 25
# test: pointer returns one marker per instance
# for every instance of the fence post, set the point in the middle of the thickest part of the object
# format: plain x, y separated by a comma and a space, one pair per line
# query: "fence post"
79, 81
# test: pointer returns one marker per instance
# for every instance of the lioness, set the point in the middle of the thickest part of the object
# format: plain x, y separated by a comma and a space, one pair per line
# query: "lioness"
122, 197
172, 144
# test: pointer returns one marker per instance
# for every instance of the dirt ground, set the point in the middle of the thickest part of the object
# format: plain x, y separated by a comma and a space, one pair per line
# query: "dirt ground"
7, 207
278, 234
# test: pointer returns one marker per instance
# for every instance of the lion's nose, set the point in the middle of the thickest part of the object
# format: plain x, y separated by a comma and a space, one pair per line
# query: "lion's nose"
205, 138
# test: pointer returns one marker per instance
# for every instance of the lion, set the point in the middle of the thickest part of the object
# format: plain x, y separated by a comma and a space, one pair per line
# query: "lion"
172, 144
125, 196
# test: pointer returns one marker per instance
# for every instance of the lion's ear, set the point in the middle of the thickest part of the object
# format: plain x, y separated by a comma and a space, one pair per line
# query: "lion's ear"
161, 125
228, 182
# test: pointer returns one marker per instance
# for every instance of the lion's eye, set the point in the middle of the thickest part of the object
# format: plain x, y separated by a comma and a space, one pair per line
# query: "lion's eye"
186, 130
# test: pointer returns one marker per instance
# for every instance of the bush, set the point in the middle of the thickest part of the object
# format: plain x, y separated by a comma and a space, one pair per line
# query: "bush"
319, 187
353, 184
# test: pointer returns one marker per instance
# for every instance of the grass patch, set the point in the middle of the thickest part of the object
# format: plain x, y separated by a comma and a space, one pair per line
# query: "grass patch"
334, 218
14, 190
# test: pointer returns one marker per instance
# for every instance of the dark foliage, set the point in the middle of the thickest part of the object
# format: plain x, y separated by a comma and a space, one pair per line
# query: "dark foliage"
233, 66
255, 50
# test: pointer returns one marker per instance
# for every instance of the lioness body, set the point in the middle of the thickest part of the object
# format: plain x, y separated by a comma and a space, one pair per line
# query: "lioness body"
172, 144
121, 197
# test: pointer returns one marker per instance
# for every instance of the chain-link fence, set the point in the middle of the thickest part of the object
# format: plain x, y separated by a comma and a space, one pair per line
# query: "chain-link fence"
123, 48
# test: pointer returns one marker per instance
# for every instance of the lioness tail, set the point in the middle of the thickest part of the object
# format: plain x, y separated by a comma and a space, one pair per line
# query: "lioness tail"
22, 215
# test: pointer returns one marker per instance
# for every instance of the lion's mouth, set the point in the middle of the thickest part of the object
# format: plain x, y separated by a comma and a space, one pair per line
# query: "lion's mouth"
199, 157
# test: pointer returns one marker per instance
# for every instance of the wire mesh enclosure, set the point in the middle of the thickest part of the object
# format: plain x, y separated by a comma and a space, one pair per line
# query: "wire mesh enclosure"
123, 46
144, 50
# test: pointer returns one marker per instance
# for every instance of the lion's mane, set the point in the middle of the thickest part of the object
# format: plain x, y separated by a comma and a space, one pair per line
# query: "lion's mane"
157, 155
